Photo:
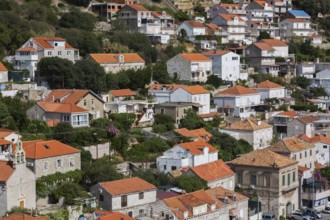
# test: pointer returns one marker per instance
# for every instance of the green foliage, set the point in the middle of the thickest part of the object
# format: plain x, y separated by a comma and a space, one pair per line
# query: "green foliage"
304, 107
313, 7
38, 129
263, 35
258, 78
154, 177
76, 19
163, 123
83, 3
17, 209
199, 10
171, 51
192, 120
283, 107
123, 121
159, 128
190, 183
214, 81
62, 214
325, 172
305, 51
70, 191
318, 91
4, 115
181, 16
100, 125
64, 133
301, 81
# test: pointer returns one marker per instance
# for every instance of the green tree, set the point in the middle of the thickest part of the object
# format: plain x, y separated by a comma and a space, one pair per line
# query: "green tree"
301, 81
64, 132
4, 115
214, 81
192, 121
263, 35
154, 177
165, 121
123, 121
69, 190
77, 19
83, 3
38, 129
181, 16
318, 91
190, 183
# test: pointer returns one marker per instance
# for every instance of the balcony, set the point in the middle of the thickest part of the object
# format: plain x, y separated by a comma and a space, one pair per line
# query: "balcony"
32, 57
316, 196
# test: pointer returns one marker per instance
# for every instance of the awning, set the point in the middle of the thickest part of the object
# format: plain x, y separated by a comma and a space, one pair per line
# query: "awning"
233, 212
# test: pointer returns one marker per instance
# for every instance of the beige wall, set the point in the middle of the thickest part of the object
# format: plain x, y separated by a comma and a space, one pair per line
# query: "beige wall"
97, 107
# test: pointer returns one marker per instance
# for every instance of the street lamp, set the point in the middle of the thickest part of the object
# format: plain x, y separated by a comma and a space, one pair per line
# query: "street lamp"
252, 187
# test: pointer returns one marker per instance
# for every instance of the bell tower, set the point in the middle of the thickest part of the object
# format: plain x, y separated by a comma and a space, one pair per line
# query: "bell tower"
19, 154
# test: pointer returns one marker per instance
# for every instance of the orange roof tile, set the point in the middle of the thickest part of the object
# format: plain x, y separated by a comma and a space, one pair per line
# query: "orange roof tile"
268, 85
167, 87
212, 26
263, 46
263, 158
125, 186
138, 7
53, 122
248, 124
291, 114
43, 42
230, 17
3, 68
320, 139
216, 52
196, 24
22, 216
6, 170
227, 6
159, 13
194, 57
307, 119
302, 168
296, 20
122, 92
38, 149
114, 58
4, 132
274, 42
213, 171
115, 216
196, 89
26, 49
209, 115
290, 145
200, 133
237, 91
60, 107
196, 147
319, 166
4, 142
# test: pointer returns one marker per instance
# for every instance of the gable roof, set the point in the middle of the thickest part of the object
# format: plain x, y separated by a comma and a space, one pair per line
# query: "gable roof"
195, 89
137, 7
263, 158
38, 149
196, 133
125, 186
197, 147
213, 171
114, 57
6, 170
248, 124
268, 85
167, 87
22, 216
315, 139
227, 6
216, 52
237, 91
60, 107
115, 216
195, 24
3, 68
230, 17
290, 145
291, 114
307, 119
192, 57
299, 13
274, 42
43, 42
159, 13
122, 92
4, 132
263, 46
69, 96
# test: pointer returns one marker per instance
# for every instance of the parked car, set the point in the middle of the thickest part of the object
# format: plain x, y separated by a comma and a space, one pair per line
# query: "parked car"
268, 217
300, 216
314, 213
326, 210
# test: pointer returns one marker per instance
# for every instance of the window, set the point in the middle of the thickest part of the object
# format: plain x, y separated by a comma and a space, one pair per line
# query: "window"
162, 111
310, 153
68, 53
240, 178
141, 212
289, 179
49, 53
267, 180
130, 213
234, 58
141, 195
173, 168
325, 146
92, 101
101, 198
294, 176
165, 167
305, 153
253, 179
79, 120
55, 44
241, 110
45, 166
283, 180
85, 102
59, 163
71, 161
66, 117
300, 155
59, 53
124, 201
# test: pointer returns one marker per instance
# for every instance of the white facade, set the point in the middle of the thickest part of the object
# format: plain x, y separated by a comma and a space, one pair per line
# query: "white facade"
322, 152
225, 66
256, 12
191, 31
271, 93
233, 25
116, 67
178, 157
290, 28
3, 76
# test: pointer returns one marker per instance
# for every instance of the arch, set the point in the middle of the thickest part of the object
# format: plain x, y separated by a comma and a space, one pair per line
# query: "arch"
22, 157
288, 208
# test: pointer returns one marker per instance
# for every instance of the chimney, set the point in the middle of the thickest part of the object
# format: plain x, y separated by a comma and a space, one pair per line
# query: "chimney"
317, 60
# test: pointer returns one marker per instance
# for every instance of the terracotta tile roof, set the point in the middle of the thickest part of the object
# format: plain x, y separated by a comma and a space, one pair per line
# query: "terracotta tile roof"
4, 132
216, 52
291, 114
43, 42
6, 170
26, 49
218, 193
3, 68
67, 96
315, 139
274, 42
21, 216
4, 142
196, 89
302, 168
60, 107
53, 122
296, 20
197, 147
122, 93
195, 57
137, 7
263, 158
42, 149
260, 2
290, 145
125, 186
227, 6
248, 124
263, 46
307, 119
169, 87
230, 17
200, 133
196, 24
213, 171
115, 216
237, 91
159, 14
114, 58
212, 26
267, 85
209, 115
318, 166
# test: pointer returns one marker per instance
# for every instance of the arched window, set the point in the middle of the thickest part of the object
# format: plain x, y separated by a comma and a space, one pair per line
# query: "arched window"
22, 157
18, 158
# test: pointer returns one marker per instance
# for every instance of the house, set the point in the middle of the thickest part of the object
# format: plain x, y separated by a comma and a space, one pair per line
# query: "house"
237, 100
322, 146
215, 203
225, 64
260, 10
3, 73
157, 25
33, 50
193, 67
224, 8
162, 92
216, 173
51, 156
296, 14
53, 113
281, 120
305, 69
302, 125
280, 6
322, 79
6, 149
295, 27
273, 177
281, 49
233, 25
317, 39
188, 154
256, 132
114, 63
196, 134
256, 27
269, 90
297, 149
85, 99
128, 196
22, 216
120, 95
17, 182
9, 135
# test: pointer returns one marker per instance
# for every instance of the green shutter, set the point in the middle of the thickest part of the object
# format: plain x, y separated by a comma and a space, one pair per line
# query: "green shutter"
283, 180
